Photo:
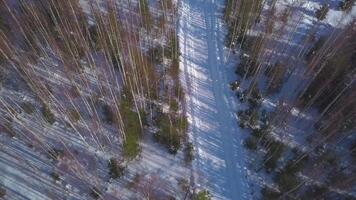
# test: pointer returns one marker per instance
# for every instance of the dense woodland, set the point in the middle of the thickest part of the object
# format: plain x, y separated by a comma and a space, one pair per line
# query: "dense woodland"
84, 87
100, 76
322, 165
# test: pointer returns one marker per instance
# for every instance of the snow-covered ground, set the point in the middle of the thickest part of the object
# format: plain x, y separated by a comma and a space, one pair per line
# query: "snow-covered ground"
26, 170
220, 157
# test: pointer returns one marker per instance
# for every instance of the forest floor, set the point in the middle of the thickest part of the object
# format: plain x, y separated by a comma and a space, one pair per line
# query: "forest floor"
220, 158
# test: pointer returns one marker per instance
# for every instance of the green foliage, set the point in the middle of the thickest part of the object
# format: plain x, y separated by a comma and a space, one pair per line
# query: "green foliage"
254, 117
334, 76
189, 153
156, 54
47, 114
94, 37
172, 50
275, 74
257, 133
116, 171
329, 157
202, 195
322, 12
168, 135
182, 124
143, 117
2, 192
133, 130
251, 143
174, 105
145, 14
234, 85
27, 107
287, 181
268, 194
55, 176
109, 116
273, 155
73, 115
246, 67
346, 5
287, 178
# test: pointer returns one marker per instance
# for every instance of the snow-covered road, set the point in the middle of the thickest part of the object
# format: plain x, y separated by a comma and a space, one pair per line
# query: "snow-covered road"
219, 164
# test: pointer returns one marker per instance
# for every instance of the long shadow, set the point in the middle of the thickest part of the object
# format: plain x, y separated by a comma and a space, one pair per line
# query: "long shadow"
213, 129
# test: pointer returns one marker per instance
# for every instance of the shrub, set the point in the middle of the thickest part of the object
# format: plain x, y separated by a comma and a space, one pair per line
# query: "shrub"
234, 85
174, 105
109, 116
242, 124
93, 33
286, 181
346, 5
286, 178
156, 54
47, 114
143, 117
268, 194
27, 107
251, 143
2, 192
74, 115
258, 133
322, 12
172, 50
132, 129
116, 171
273, 154
168, 134
202, 195
189, 152
182, 124
275, 76
55, 176
246, 67
254, 118
241, 96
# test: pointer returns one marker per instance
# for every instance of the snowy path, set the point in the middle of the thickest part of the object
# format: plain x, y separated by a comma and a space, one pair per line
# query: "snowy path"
220, 158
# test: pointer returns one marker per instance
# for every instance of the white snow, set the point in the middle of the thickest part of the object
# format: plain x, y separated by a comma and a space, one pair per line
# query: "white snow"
220, 160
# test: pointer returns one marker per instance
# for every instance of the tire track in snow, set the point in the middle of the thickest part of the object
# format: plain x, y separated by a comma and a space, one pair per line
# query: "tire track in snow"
213, 127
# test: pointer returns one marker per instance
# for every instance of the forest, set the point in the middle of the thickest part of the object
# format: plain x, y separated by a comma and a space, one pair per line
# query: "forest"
177, 99
305, 143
